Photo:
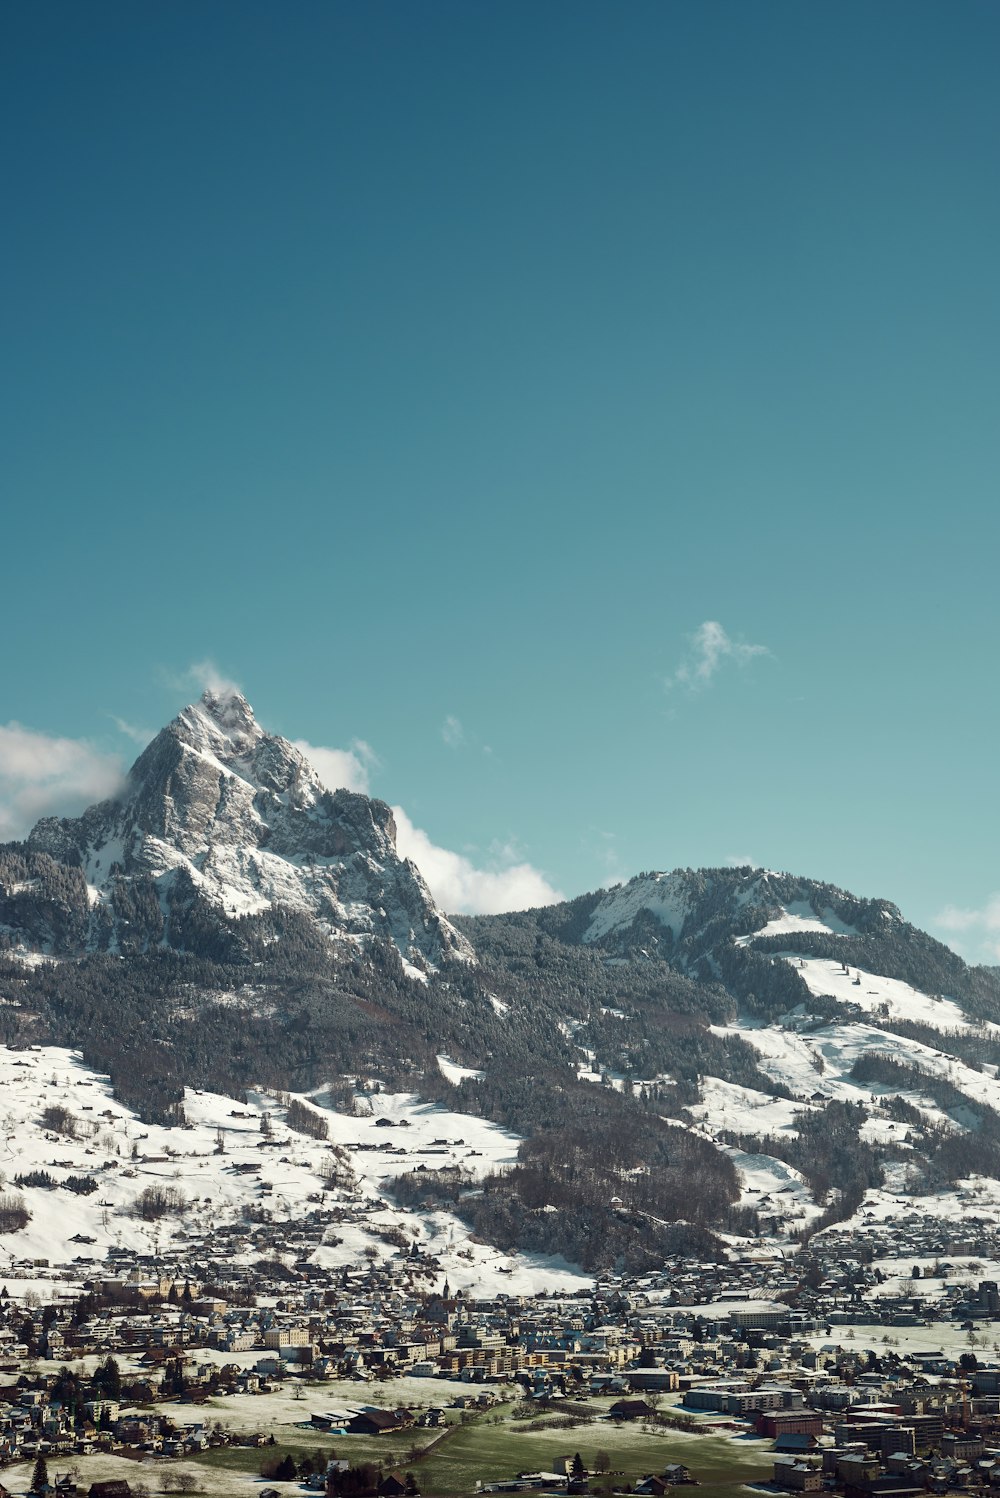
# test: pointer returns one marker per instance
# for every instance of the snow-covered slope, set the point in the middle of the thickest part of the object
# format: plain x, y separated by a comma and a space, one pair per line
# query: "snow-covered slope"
667, 897
217, 810
221, 1163
890, 997
744, 903
798, 915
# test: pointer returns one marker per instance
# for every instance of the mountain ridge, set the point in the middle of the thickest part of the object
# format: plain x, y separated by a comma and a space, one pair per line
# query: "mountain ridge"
228, 924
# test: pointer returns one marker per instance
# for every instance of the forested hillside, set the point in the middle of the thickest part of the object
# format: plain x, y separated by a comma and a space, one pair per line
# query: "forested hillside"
230, 923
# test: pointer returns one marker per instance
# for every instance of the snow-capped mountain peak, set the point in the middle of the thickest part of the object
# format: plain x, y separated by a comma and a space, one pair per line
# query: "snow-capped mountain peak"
221, 811
220, 719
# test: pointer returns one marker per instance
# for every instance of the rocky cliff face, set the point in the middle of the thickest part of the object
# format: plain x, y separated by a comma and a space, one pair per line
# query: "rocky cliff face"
240, 815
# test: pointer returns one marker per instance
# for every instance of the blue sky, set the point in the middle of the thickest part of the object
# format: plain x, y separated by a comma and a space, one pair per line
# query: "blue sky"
589, 408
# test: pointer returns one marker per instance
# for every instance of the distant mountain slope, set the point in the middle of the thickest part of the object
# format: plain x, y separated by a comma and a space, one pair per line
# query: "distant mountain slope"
819, 1039
726, 925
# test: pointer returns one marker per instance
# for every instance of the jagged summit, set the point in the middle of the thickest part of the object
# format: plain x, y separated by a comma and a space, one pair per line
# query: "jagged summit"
217, 809
225, 714
213, 774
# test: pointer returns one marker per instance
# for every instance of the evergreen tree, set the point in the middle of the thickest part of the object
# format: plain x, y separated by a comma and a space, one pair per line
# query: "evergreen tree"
107, 1380
26, 1334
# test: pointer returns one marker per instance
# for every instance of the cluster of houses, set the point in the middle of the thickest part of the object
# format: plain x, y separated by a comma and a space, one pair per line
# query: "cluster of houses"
765, 1343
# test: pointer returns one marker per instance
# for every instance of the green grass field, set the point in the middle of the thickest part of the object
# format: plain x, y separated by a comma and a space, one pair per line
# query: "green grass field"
487, 1449
501, 1451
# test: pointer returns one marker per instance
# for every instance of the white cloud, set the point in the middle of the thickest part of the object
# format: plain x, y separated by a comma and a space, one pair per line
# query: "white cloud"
42, 775
457, 884
206, 675
981, 928
742, 861
710, 647
452, 732
341, 769
201, 676
140, 736
460, 887
954, 918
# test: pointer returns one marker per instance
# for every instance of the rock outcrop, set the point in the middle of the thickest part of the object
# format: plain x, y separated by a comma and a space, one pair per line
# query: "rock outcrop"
240, 816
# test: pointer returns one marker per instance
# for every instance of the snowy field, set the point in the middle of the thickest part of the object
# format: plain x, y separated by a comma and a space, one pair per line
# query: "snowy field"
214, 1481
821, 1060
894, 997
91, 1135
723, 1105
941, 1337
798, 915
815, 1066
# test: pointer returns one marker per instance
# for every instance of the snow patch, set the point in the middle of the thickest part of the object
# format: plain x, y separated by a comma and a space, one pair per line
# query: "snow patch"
798, 915
663, 895
456, 1073
898, 1000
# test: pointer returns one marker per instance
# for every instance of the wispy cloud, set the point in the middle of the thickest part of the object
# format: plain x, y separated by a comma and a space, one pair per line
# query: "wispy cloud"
140, 736
202, 676
341, 769
980, 928
709, 649
208, 678
742, 861
600, 851
462, 888
455, 734
452, 732
44, 775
